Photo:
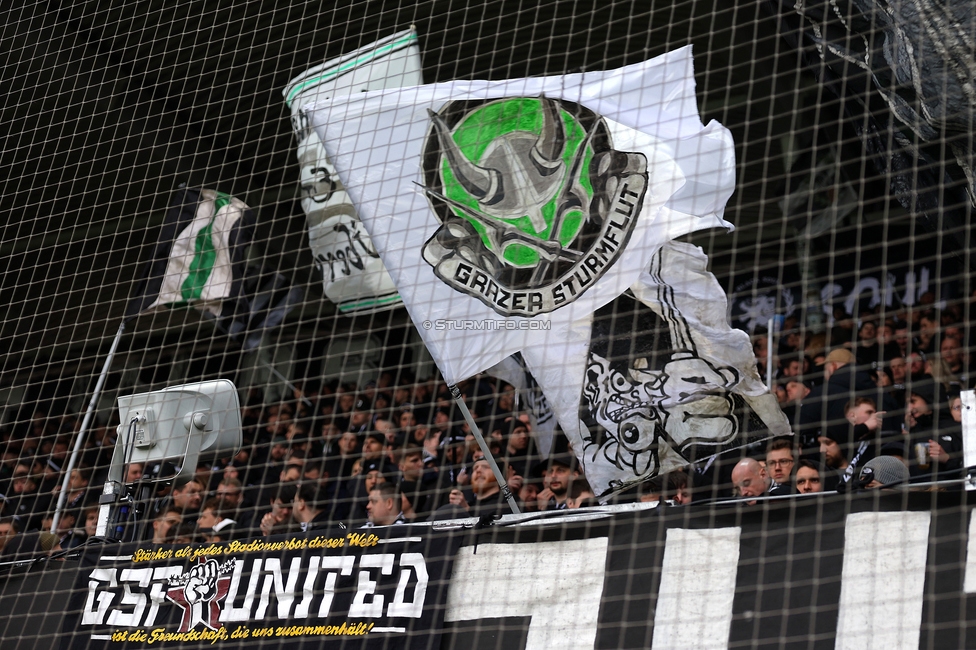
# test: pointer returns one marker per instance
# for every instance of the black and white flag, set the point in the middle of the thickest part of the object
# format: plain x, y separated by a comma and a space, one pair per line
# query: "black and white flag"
353, 276
509, 213
264, 303
665, 380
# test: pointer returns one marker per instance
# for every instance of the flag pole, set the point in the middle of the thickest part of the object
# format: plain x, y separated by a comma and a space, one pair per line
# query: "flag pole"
502, 483
290, 385
270, 367
80, 438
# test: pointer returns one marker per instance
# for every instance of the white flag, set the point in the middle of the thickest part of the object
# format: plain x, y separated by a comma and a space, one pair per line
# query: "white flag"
506, 211
353, 276
514, 215
658, 378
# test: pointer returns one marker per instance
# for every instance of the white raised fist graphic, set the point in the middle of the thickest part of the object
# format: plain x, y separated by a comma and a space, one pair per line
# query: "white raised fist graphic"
202, 583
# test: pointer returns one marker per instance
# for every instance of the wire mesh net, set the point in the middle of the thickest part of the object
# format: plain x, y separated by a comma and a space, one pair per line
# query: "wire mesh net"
685, 265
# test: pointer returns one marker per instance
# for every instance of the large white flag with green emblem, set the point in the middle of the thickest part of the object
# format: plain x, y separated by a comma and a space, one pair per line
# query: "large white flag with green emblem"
538, 216
200, 255
507, 209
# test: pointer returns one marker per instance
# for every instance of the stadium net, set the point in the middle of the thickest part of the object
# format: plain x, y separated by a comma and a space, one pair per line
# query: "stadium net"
398, 324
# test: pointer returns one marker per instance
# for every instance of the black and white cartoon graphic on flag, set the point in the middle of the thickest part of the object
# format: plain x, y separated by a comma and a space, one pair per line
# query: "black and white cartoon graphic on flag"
667, 381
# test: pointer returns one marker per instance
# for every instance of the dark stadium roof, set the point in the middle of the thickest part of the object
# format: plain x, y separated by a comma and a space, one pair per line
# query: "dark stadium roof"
109, 106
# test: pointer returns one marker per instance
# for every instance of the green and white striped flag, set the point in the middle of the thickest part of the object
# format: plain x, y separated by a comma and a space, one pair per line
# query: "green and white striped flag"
200, 257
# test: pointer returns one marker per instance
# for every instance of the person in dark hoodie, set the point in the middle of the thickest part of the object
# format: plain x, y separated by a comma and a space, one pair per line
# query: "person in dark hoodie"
945, 445
824, 406
919, 415
846, 446
934, 443
373, 473
867, 350
24, 501
315, 506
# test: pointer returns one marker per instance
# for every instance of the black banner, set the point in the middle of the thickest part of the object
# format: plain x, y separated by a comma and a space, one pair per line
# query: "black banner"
884, 569
362, 589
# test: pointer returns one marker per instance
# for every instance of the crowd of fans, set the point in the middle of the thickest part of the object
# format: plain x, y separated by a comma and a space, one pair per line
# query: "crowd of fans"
871, 405
866, 393
379, 454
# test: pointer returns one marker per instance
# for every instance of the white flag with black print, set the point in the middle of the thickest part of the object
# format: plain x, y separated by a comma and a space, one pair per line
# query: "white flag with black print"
656, 379
507, 210
353, 276
530, 398
509, 213
200, 254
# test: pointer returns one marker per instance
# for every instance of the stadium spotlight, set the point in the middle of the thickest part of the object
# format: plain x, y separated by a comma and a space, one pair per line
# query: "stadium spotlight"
176, 428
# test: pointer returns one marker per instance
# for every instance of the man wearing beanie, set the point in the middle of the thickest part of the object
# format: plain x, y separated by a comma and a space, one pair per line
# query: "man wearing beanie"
848, 445
883, 471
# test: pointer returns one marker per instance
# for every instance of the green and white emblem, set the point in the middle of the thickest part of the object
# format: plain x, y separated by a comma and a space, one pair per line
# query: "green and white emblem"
534, 203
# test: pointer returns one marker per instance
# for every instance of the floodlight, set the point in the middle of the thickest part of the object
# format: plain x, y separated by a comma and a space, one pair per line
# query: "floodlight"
174, 427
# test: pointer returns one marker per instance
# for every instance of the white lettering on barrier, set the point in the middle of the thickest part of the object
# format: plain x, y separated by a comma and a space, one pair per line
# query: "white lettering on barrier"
137, 600
144, 590
308, 589
359, 607
284, 591
157, 593
345, 566
558, 584
410, 562
882, 580
694, 603
242, 613
92, 616
915, 287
